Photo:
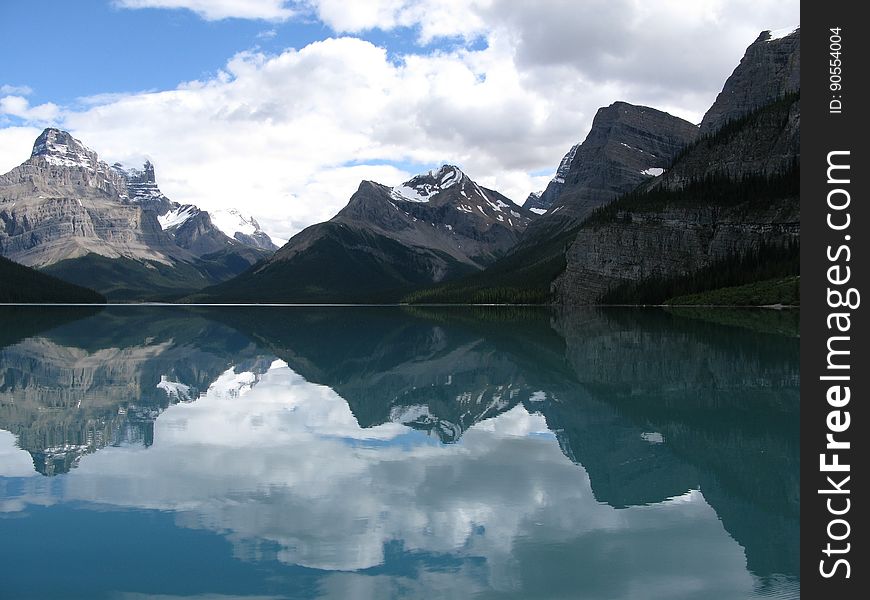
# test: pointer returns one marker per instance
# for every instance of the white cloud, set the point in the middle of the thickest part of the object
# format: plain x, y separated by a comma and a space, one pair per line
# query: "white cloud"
276, 134
434, 18
16, 144
214, 10
267, 34
19, 106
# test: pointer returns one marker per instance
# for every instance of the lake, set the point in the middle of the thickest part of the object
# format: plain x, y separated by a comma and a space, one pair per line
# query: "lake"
394, 452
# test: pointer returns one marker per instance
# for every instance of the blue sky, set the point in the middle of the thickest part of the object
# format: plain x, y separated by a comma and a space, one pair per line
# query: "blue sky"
283, 106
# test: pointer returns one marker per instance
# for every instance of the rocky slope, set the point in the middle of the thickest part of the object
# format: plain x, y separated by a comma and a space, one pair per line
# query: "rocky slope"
540, 202
734, 195
641, 212
769, 70
66, 211
432, 228
626, 146
64, 203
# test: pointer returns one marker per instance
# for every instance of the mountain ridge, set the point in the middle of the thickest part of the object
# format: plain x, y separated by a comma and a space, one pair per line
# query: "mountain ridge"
385, 242
65, 211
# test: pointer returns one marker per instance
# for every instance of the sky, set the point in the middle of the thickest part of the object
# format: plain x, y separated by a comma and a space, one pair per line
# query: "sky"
281, 107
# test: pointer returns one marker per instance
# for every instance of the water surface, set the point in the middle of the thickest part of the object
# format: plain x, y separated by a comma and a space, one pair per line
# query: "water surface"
398, 453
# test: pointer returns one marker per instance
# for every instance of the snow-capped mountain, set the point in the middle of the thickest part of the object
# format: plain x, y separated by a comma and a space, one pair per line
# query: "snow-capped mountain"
188, 222
109, 228
448, 200
432, 228
242, 228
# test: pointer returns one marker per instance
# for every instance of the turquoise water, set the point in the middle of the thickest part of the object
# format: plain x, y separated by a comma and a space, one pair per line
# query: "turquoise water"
160, 452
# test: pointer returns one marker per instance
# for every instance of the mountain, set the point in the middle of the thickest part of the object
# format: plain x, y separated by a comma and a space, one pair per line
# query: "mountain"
70, 214
20, 284
726, 213
769, 70
643, 218
242, 228
194, 229
540, 202
387, 241
626, 146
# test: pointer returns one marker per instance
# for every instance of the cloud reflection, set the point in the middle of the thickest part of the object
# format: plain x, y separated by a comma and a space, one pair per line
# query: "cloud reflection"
284, 470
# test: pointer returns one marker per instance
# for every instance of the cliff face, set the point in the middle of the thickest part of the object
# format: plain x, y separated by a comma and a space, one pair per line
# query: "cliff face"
655, 235
769, 69
67, 212
626, 146
669, 243
767, 142
63, 202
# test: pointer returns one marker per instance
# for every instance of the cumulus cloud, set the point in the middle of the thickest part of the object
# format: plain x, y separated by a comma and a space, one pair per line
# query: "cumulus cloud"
290, 135
19, 106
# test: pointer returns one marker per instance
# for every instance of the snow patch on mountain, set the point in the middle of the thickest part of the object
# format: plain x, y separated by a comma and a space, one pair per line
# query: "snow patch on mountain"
778, 34
423, 187
231, 221
234, 385
653, 171
565, 164
177, 216
59, 148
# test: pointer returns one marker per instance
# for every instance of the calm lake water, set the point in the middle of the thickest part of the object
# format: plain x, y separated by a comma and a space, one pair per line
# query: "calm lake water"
376, 453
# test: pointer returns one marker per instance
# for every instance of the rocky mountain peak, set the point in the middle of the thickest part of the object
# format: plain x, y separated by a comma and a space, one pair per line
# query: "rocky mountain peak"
59, 148
426, 186
626, 145
769, 69
142, 187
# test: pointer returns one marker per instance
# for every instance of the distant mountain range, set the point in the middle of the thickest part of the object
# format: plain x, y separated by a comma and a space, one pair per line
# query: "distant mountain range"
387, 242
648, 208
67, 213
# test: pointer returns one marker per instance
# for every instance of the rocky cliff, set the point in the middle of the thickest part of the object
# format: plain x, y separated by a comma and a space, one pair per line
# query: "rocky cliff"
769, 70
540, 202
64, 203
109, 228
192, 228
699, 214
732, 195
626, 146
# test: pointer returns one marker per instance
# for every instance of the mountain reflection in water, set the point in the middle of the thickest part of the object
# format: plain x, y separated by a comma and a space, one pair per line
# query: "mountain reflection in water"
399, 453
